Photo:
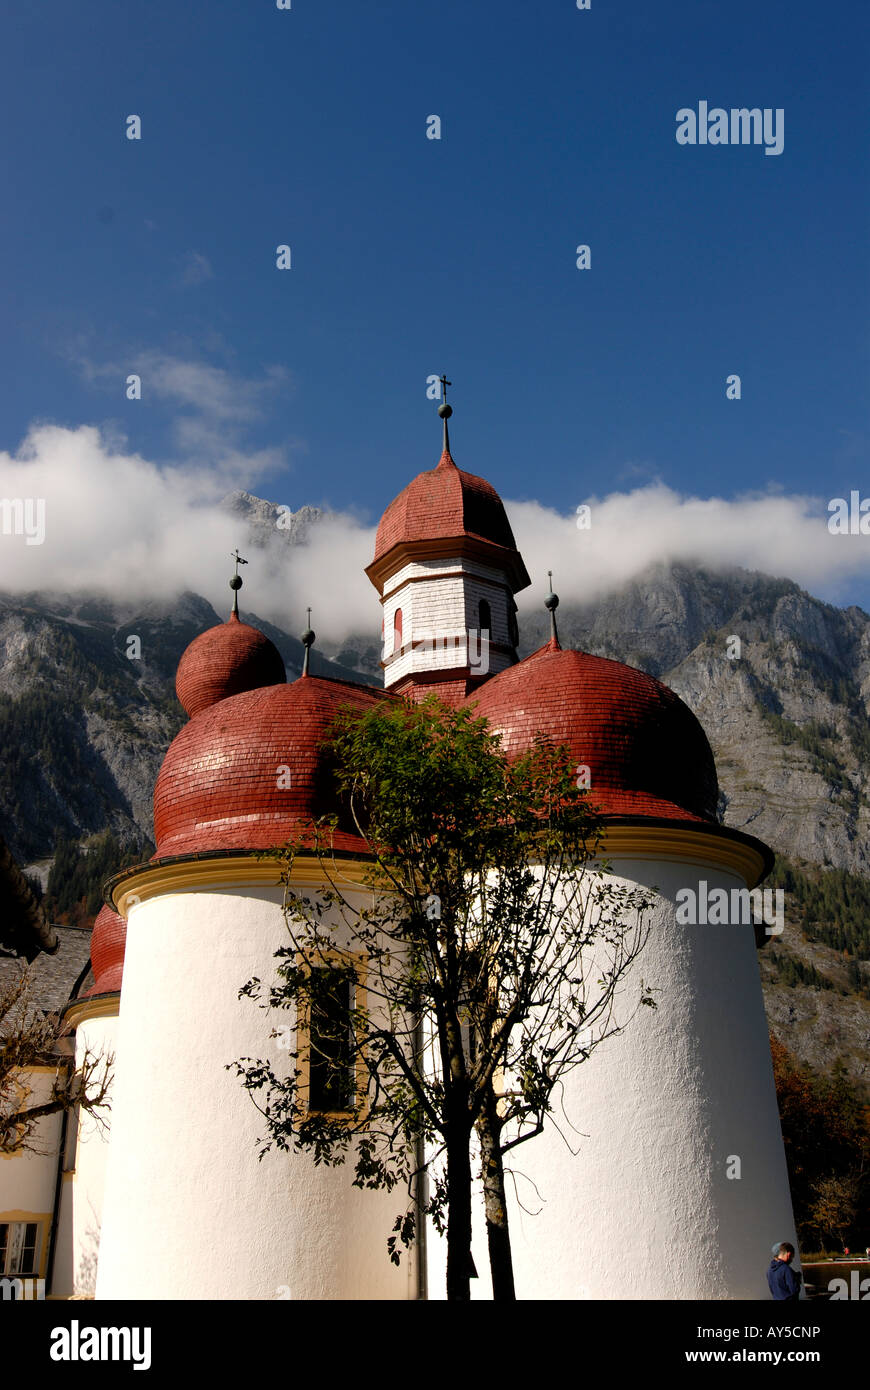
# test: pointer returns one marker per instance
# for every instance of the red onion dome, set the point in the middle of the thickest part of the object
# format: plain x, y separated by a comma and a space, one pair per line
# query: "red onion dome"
248, 773
108, 940
226, 660
646, 752
447, 503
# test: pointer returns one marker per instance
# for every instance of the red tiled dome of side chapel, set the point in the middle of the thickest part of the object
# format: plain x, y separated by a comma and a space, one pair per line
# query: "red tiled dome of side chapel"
226, 660
108, 940
646, 752
248, 773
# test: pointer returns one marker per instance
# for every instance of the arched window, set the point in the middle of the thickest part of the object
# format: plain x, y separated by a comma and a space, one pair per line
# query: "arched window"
397, 630
484, 616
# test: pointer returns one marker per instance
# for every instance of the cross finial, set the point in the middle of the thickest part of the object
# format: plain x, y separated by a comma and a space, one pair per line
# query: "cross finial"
236, 581
445, 410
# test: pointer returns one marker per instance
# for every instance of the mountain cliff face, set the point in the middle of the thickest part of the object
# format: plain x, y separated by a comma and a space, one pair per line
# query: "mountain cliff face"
779, 680
84, 726
785, 707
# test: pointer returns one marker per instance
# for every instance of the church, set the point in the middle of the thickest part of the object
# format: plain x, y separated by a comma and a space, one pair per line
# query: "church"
677, 1187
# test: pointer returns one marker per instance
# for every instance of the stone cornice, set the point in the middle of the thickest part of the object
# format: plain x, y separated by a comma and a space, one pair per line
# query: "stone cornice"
497, 557
92, 1006
707, 845
203, 873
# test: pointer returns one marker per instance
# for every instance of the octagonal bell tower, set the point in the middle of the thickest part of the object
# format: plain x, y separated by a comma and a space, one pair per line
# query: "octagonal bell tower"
446, 567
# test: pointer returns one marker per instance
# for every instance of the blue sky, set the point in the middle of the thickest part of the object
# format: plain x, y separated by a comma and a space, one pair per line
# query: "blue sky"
414, 256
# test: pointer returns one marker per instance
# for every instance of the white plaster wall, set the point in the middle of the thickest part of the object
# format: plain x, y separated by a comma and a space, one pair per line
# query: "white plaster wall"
442, 606
645, 1210
27, 1178
431, 569
99, 1036
189, 1212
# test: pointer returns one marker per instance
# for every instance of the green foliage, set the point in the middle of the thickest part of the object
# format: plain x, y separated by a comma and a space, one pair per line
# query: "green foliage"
472, 952
814, 737
790, 970
832, 906
75, 882
43, 741
826, 1133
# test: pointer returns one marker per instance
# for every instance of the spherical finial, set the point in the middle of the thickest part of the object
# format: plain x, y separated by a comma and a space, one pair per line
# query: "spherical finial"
551, 602
236, 581
308, 637
445, 410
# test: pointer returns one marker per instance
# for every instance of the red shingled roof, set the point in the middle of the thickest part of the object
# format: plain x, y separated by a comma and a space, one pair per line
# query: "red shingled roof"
218, 786
647, 754
444, 502
108, 940
226, 660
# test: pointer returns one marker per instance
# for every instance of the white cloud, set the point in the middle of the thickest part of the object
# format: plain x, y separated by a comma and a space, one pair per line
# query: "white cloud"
117, 523
779, 534
211, 407
211, 391
196, 269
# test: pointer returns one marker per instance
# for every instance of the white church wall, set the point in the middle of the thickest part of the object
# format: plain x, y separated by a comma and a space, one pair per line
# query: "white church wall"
189, 1212
99, 1036
440, 605
28, 1176
659, 1117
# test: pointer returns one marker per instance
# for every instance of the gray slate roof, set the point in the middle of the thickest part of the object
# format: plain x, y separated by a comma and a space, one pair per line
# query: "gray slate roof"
54, 976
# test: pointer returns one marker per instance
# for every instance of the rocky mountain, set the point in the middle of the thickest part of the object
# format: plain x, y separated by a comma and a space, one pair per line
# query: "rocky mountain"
87, 713
779, 679
268, 525
781, 683
785, 705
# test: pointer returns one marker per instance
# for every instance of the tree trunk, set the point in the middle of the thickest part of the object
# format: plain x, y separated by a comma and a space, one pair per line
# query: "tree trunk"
458, 1214
497, 1233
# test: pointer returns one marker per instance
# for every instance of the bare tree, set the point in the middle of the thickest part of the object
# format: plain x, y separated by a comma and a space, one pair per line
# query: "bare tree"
480, 967
29, 1038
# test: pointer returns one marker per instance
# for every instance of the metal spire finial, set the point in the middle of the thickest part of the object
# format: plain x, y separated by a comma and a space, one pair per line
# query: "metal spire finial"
551, 603
307, 642
445, 410
236, 581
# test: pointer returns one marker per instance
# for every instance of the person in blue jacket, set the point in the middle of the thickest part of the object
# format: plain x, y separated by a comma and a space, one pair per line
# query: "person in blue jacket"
783, 1281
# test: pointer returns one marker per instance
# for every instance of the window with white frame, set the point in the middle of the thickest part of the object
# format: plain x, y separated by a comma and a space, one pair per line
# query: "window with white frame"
19, 1247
